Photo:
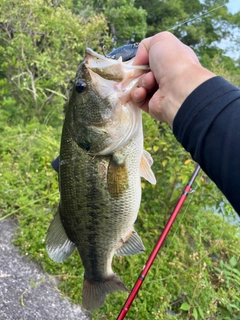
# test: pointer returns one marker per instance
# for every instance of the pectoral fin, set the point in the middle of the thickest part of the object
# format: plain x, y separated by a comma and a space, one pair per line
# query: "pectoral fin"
133, 245
117, 179
58, 245
55, 164
145, 167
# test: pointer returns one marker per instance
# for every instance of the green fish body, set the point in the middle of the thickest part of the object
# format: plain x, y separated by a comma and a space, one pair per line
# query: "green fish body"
101, 162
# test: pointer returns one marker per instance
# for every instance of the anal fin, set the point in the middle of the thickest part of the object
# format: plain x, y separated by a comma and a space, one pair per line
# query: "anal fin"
133, 245
58, 245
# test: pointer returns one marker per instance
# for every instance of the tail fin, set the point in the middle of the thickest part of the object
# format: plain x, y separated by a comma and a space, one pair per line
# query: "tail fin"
94, 292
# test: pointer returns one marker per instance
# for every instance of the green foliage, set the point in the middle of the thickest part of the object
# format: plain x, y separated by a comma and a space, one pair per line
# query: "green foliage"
199, 24
126, 22
40, 49
26, 174
225, 67
196, 274
227, 278
195, 23
42, 43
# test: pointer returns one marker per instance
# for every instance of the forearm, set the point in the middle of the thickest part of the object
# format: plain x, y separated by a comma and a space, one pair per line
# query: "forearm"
208, 126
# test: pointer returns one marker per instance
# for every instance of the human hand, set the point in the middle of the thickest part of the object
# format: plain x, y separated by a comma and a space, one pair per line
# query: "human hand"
175, 73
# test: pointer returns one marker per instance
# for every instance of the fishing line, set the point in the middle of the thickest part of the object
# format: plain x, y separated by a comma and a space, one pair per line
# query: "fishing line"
195, 18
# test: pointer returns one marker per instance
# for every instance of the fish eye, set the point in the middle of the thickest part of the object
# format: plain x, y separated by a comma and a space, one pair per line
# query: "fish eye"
80, 86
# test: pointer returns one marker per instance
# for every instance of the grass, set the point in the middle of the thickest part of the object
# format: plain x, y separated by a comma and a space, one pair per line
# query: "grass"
196, 274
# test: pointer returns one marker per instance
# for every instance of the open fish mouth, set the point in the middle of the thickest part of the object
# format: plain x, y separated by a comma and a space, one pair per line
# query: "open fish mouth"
112, 80
110, 69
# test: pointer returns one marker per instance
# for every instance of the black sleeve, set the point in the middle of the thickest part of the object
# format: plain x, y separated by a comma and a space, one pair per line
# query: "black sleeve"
208, 126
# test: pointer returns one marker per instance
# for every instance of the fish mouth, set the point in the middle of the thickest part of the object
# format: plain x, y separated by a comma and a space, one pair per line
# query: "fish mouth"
101, 60
111, 82
111, 69
112, 76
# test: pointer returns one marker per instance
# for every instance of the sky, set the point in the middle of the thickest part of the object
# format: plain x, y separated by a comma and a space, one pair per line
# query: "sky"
233, 6
226, 44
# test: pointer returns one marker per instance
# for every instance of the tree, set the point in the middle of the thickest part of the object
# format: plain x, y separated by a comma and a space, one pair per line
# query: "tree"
126, 22
199, 24
41, 45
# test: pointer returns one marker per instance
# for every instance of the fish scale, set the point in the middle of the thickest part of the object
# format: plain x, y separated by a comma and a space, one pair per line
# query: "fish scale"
101, 162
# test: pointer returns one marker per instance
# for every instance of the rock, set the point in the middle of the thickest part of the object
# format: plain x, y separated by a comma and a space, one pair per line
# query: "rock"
23, 281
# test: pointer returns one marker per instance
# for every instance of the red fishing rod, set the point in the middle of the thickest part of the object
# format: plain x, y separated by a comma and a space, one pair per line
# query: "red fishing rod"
157, 247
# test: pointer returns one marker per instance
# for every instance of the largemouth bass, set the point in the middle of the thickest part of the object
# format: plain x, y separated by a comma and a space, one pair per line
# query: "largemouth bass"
101, 162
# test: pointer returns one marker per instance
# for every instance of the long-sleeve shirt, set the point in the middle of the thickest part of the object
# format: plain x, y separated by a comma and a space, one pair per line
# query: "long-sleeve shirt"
208, 126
